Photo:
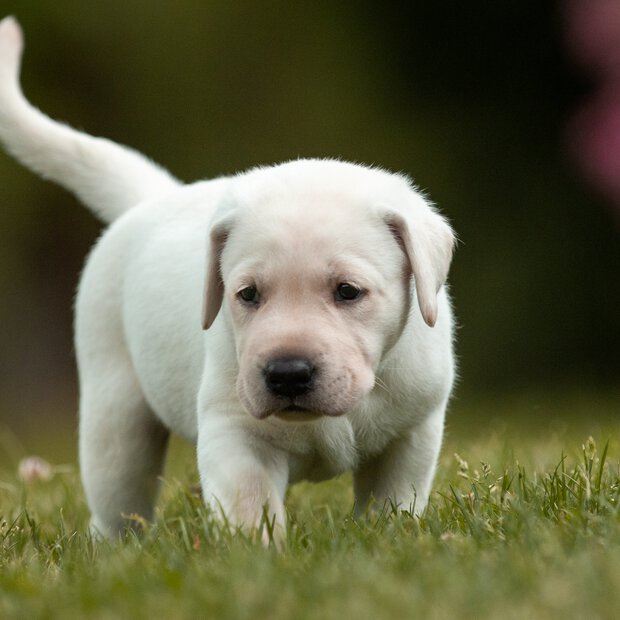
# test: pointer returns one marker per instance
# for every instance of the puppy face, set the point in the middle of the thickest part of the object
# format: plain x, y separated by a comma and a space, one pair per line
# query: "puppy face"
314, 276
311, 310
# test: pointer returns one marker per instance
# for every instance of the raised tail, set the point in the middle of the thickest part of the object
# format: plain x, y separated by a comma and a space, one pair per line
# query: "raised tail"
106, 177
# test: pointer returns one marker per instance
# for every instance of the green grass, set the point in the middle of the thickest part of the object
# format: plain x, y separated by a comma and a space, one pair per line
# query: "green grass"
524, 523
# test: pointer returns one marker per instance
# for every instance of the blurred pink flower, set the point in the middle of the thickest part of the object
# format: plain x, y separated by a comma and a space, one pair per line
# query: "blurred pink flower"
34, 468
595, 136
593, 32
593, 36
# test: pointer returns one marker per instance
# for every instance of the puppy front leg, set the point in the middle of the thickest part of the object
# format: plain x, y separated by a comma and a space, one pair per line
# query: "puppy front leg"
244, 477
403, 473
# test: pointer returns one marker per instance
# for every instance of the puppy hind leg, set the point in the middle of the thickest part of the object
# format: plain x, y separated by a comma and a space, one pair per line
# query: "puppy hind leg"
122, 452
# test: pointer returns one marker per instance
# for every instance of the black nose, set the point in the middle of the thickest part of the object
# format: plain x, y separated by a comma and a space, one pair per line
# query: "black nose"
290, 376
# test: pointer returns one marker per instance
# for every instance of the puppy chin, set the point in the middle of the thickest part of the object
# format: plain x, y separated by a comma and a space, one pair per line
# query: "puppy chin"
293, 412
289, 412
263, 408
297, 414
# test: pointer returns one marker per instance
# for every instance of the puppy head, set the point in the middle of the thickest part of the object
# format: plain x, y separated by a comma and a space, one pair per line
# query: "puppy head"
313, 261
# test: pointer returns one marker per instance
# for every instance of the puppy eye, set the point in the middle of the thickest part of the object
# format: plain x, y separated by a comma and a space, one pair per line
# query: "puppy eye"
249, 295
347, 292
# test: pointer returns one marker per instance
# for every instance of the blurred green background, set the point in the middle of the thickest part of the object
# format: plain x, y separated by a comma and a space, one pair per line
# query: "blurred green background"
471, 99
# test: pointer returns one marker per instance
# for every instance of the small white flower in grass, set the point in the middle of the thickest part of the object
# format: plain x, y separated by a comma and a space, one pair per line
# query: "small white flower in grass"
463, 467
34, 468
589, 449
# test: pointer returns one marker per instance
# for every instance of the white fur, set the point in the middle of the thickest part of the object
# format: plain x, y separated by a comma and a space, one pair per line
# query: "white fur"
295, 231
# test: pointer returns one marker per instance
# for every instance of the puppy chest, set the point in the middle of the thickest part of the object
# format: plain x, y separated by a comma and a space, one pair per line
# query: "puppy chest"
314, 467
316, 451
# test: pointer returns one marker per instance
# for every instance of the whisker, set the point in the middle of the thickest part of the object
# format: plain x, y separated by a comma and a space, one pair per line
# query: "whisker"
382, 384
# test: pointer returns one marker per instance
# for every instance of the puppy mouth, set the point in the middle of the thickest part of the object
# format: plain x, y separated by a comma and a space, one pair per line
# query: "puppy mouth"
296, 413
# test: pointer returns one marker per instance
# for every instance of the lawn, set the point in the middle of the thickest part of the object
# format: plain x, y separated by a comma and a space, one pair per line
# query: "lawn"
523, 523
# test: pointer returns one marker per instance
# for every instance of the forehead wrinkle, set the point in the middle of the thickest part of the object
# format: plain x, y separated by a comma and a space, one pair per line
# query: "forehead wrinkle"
338, 244
299, 272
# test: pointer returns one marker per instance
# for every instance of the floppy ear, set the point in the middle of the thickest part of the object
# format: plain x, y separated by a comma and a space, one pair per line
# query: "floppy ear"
428, 243
214, 284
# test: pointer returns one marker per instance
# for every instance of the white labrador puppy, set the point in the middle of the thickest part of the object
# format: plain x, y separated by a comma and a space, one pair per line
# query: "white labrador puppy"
328, 342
